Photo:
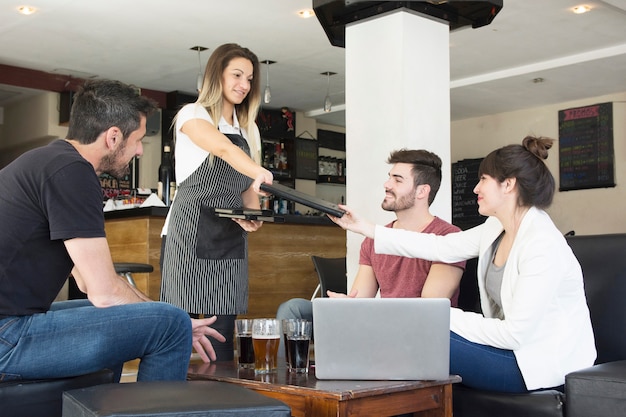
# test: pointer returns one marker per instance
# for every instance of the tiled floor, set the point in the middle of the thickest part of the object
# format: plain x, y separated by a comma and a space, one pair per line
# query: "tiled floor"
129, 371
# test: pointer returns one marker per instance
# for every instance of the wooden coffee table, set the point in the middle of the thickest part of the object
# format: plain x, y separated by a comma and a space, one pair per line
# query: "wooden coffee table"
310, 397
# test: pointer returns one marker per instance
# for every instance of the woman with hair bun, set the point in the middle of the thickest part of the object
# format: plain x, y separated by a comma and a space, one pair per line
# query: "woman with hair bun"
535, 325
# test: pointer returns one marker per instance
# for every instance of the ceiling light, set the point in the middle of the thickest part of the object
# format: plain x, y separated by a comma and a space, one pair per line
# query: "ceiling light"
200, 77
267, 95
583, 8
538, 80
327, 103
26, 10
306, 13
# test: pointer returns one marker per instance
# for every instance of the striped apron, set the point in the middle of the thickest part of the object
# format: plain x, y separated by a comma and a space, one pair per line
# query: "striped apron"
205, 262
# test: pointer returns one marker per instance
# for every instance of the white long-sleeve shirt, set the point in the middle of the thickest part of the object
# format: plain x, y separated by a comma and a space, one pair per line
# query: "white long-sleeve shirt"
546, 320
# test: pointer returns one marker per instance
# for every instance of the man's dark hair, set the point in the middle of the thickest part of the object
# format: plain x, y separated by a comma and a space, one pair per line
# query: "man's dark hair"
426, 168
101, 104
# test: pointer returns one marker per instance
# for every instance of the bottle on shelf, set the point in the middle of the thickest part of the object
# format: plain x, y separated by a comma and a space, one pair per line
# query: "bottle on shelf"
277, 156
167, 183
283, 157
268, 162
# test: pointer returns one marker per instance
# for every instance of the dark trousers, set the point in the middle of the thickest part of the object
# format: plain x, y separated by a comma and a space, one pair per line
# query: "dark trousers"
225, 324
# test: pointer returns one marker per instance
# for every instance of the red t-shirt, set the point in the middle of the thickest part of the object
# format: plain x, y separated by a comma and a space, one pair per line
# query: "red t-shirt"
401, 277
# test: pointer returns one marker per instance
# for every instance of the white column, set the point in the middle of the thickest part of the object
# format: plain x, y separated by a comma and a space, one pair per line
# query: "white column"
397, 96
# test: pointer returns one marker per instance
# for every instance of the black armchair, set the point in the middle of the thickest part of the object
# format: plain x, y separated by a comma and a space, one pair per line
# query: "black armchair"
331, 273
596, 391
44, 397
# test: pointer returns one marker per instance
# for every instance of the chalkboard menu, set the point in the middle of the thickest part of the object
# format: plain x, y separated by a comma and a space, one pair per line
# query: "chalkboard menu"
331, 140
464, 206
586, 155
306, 159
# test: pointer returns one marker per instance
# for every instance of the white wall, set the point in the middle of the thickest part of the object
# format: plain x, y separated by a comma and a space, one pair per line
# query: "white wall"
586, 212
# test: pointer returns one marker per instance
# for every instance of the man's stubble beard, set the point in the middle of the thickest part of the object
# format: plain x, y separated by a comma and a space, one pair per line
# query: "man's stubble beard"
405, 202
111, 165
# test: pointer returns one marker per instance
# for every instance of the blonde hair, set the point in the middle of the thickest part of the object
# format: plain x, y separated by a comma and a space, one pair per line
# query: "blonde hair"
211, 94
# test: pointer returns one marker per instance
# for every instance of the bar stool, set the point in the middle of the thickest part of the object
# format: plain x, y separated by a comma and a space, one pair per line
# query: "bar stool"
126, 270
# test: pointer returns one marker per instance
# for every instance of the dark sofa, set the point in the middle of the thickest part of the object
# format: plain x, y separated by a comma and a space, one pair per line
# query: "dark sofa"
596, 391
44, 397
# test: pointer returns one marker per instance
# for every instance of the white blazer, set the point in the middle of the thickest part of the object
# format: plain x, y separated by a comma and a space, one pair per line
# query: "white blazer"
546, 320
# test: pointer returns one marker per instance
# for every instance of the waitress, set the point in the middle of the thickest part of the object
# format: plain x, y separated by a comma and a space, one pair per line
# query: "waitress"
205, 258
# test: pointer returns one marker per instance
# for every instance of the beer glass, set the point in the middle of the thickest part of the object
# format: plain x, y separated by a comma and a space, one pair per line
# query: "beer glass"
245, 351
265, 340
285, 325
298, 340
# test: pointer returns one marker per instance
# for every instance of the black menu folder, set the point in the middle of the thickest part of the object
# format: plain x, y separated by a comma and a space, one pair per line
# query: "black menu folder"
248, 214
303, 198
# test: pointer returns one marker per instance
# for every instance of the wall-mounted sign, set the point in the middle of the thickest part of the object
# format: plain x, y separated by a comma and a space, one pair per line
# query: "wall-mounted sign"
586, 154
464, 204
306, 159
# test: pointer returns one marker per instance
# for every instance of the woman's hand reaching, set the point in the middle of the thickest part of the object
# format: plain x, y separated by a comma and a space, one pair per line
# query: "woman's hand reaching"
354, 223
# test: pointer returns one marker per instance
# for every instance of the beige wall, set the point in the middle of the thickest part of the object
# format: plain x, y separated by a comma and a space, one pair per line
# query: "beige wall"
587, 212
34, 122
28, 124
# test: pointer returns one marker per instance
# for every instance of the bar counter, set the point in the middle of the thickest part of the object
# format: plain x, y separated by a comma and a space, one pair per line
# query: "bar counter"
280, 265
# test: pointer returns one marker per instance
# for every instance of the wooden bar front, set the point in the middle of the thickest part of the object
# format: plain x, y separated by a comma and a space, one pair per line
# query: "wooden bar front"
280, 265
138, 239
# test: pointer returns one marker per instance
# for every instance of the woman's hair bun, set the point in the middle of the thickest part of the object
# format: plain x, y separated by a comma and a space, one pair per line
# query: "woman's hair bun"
538, 146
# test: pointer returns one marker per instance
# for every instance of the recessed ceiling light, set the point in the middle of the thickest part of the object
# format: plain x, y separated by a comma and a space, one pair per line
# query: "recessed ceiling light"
26, 10
583, 8
306, 13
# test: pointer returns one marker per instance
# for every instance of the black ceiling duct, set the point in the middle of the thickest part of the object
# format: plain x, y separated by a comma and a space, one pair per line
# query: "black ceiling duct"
335, 14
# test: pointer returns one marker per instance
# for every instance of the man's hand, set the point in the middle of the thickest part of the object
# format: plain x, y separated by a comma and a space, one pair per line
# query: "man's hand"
200, 341
332, 294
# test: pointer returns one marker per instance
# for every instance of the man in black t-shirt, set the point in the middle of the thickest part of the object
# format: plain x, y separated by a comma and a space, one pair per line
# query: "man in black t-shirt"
51, 225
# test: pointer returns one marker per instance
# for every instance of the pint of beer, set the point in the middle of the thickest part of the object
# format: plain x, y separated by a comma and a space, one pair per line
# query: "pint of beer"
298, 340
245, 352
265, 340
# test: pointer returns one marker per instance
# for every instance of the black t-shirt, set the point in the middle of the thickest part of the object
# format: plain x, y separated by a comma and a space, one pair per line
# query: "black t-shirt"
47, 195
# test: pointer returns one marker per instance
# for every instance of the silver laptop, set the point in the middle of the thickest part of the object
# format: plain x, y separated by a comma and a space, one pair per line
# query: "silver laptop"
382, 338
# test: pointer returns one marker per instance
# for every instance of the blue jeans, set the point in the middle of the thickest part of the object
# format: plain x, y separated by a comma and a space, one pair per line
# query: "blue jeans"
485, 367
75, 338
295, 308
